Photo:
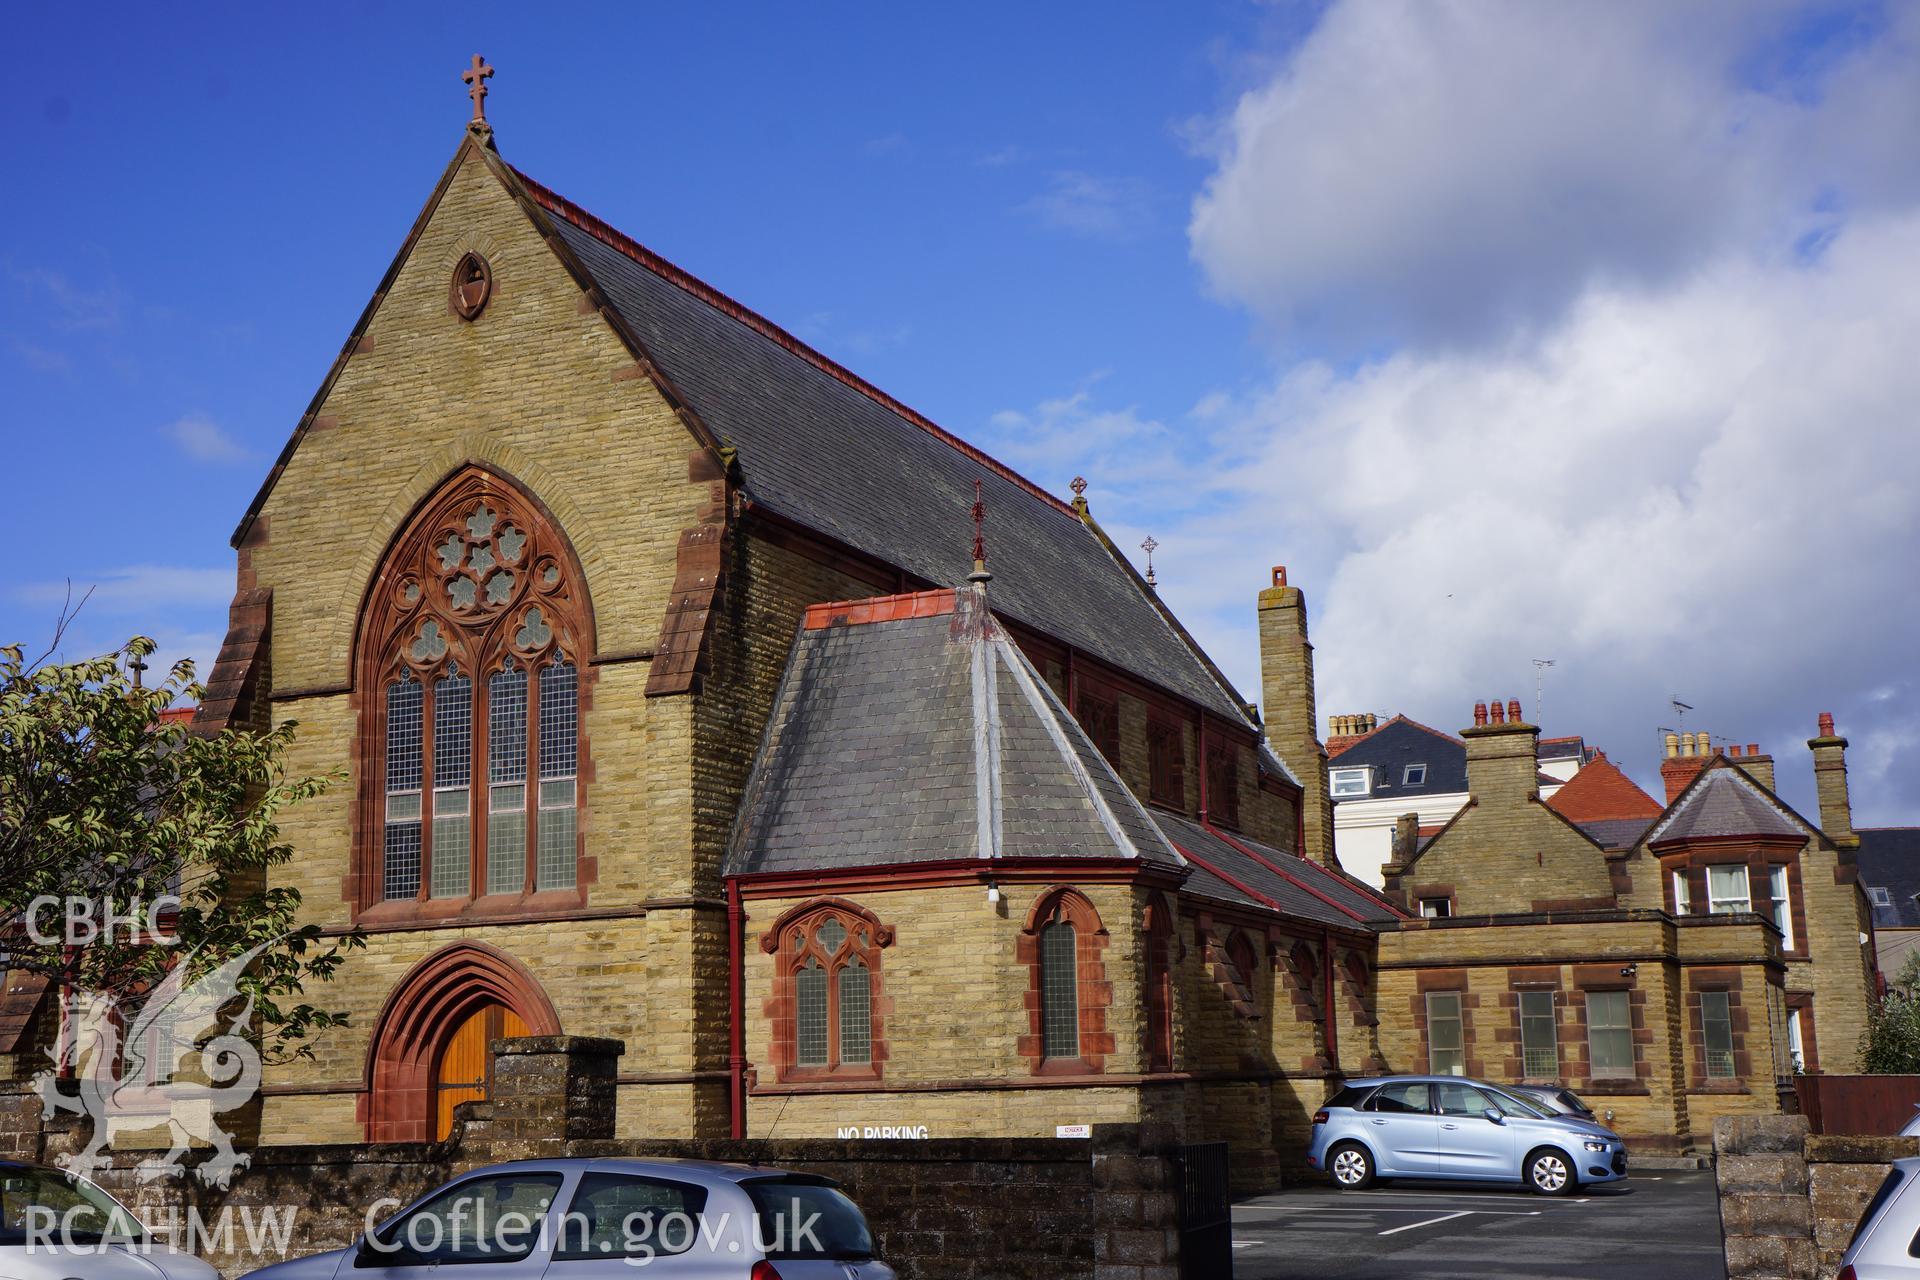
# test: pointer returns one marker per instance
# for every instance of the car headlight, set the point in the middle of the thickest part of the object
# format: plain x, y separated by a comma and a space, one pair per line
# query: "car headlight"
1594, 1144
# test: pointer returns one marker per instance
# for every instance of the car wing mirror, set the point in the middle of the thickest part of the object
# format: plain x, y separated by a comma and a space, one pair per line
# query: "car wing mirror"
1493, 1114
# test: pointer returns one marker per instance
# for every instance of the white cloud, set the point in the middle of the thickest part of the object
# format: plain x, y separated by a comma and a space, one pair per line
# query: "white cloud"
65, 303
1087, 204
204, 440
135, 589
1442, 171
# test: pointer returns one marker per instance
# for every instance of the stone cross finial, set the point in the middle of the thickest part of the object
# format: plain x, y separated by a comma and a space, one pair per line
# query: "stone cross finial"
476, 77
138, 666
1079, 486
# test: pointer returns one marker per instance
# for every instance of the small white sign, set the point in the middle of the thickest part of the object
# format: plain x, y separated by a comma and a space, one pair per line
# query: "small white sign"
1073, 1131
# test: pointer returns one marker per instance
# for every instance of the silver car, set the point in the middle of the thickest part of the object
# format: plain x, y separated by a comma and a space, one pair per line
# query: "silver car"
578, 1219
1454, 1128
55, 1224
1883, 1242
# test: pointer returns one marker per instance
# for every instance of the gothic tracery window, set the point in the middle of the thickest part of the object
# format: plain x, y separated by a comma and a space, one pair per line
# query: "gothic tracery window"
826, 1005
470, 661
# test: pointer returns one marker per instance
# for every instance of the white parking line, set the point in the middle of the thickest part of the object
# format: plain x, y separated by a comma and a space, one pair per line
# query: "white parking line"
1387, 1208
1392, 1231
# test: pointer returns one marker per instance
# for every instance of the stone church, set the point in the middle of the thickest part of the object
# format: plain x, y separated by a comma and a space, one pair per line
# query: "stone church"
677, 704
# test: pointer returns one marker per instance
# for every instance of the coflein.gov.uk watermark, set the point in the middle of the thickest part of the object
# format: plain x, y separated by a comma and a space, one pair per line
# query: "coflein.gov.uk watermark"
466, 1229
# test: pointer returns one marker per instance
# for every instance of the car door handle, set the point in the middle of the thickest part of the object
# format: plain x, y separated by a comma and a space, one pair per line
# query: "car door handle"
1379, 1121
1449, 1126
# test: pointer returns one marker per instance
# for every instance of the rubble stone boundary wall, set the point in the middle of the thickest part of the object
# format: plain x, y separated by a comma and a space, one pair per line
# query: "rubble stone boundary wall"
1789, 1200
980, 1208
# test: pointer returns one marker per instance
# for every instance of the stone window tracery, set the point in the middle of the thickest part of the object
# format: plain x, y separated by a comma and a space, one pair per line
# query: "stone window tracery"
469, 670
827, 1010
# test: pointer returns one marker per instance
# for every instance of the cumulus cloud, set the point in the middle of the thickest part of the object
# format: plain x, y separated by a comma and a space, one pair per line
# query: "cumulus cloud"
1444, 172
204, 440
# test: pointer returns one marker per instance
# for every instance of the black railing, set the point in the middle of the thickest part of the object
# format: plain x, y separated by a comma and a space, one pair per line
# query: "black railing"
1206, 1216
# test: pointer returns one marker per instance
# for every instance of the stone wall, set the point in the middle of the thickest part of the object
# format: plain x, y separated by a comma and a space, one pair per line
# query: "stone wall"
1789, 1201
980, 1208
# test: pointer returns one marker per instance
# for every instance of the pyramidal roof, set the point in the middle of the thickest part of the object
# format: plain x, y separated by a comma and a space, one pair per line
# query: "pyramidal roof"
1724, 801
1601, 793
911, 729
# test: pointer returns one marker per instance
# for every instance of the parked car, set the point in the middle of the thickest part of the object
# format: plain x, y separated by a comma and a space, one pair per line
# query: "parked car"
54, 1224
1882, 1244
1456, 1128
1911, 1128
1562, 1101
579, 1219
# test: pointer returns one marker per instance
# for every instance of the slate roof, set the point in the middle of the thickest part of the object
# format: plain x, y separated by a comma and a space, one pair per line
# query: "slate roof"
1300, 888
821, 447
920, 736
1614, 833
1889, 858
1724, 801
1401, 742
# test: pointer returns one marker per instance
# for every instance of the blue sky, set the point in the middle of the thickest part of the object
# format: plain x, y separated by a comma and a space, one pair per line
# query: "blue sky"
1517, 331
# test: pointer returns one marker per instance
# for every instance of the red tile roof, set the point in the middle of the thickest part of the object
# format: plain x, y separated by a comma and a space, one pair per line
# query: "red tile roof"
1599, 793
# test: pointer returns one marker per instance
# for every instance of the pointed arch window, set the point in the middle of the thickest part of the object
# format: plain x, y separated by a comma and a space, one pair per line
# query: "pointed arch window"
470, 650
827, 1008
1063, 947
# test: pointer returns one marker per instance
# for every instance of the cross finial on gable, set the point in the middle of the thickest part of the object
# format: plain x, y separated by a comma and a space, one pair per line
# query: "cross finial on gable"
1149, 545
476, 77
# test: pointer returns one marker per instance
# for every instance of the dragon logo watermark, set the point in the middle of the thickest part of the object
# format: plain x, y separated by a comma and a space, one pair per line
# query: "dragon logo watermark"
179, 1059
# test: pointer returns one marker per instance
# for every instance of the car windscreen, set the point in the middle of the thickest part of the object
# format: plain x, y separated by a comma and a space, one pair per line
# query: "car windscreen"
48, 1206
1513, 1105
802, 1217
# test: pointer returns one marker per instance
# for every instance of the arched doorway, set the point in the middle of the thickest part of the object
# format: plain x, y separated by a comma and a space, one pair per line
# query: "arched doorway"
465, 1070
429, 1051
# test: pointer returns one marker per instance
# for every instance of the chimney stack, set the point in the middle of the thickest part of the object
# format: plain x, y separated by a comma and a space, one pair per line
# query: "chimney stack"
1687, 755
1830, 783
1503, 765
1755, 765
1286, 688
1344, 731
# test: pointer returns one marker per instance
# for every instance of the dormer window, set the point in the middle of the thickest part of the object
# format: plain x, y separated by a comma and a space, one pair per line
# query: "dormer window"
1415, 775
1349, 782
1879, 896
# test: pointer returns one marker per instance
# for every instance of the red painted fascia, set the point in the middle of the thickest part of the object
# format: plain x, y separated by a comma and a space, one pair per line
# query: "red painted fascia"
1289, 877
1204, 865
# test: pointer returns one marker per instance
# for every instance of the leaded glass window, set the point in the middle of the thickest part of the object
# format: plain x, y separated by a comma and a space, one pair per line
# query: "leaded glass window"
856, 1012
476, 628
401, 862
452, 779
559, 743
828, 956
810, 1014
507, 781
1059, 991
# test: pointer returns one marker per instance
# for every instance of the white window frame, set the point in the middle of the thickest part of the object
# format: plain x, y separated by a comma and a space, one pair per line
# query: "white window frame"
1724, 1060
1782, 893
1796, 1049
1457, 1051
1534, 1016
1594, 1029
1342, 784
1408, 780
1721, 904
1879, 895
1445, 913
1682, 894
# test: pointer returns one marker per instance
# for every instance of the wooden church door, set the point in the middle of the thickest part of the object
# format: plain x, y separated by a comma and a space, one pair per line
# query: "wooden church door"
465, 1073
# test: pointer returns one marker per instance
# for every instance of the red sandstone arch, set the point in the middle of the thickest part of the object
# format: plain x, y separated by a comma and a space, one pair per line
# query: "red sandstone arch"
421, 1013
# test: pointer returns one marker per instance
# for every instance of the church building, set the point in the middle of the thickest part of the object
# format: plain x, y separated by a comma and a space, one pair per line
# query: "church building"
678, 702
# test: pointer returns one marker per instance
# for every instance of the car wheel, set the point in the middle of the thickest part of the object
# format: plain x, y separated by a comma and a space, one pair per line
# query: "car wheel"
1351, 1167
1550, 1173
